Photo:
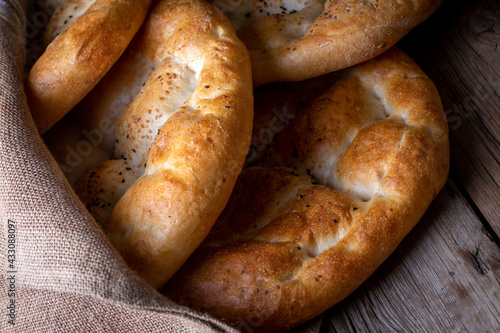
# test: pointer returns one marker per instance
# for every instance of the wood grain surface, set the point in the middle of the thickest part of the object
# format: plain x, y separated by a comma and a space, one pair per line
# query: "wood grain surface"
445, 276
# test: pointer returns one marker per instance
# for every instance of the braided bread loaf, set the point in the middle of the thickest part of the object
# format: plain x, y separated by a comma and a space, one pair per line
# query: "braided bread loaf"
180, 143
336, 192
85, 38
293, 40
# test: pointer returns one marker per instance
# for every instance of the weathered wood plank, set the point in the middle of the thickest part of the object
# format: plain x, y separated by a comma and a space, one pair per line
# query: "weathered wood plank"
458, 49
444, 277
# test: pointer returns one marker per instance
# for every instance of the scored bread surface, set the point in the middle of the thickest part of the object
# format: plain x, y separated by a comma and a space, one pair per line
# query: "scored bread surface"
332, 197
181, 141
292, 40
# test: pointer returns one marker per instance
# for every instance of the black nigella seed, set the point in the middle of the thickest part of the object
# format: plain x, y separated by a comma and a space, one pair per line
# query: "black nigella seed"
207, 87
334, 221
298, 248
123, 181
354, 208
227, 106
308, 205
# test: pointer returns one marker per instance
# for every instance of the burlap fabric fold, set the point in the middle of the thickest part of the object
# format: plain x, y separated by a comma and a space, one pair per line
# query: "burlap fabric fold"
58, 271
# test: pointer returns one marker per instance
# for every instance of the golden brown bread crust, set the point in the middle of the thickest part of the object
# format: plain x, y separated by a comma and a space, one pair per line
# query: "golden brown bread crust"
86, 136
289, 245
318, 37
198, 140
80, 56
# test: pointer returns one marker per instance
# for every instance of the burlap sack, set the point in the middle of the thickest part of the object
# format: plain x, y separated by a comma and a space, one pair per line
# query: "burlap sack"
58, 271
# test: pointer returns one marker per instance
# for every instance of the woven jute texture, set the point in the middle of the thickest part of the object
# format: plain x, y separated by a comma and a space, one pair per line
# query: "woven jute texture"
58, 272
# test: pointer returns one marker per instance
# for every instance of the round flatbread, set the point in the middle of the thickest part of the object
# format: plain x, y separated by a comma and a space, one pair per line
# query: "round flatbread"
85, 38
336, 192
181, 141
293, 40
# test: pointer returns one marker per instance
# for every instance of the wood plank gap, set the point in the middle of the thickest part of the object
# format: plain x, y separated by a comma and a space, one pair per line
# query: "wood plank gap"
488, 229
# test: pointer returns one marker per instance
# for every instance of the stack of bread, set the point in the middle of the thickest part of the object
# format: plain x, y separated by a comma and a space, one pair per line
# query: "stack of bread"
256, 160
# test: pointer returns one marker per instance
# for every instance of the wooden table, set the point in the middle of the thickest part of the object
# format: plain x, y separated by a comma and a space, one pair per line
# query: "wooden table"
445, 276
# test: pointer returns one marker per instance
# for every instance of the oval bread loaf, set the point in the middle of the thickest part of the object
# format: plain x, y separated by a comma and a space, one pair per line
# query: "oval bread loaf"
337, 191
292, 40
85, 38
180, 144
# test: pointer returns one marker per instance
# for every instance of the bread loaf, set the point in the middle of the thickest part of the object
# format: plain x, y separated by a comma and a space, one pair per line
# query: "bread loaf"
336, 192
